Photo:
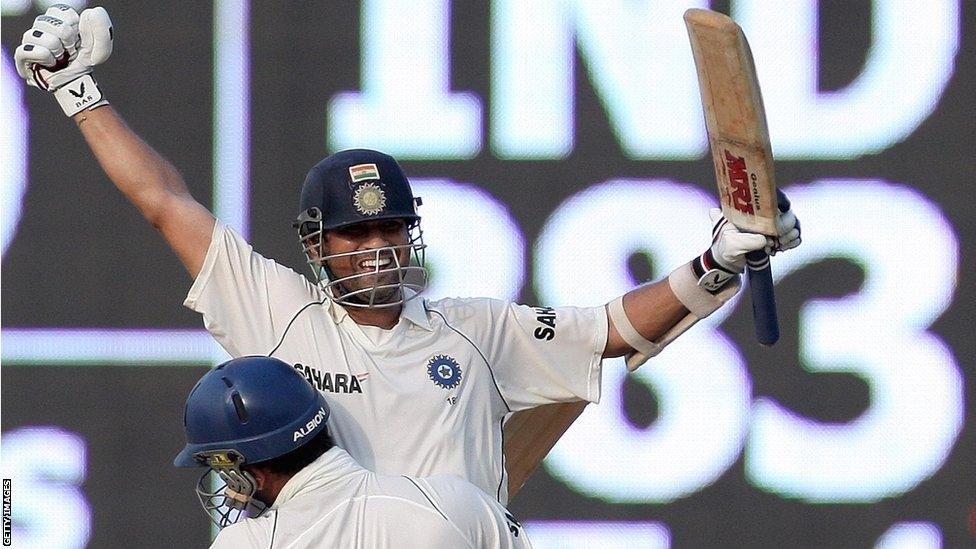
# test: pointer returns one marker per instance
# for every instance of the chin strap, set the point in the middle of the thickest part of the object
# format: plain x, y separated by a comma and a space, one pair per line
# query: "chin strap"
699, 301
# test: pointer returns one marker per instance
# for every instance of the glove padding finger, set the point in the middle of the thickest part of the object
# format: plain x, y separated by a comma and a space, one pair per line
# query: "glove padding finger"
739, 243
63, 12
788, 229
27, 56
45, 39
722, 226
788, 242
786, 222
96, 36
66, 32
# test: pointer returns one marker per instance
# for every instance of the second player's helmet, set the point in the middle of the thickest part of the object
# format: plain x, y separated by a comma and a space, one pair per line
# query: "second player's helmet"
244, 412
356, 186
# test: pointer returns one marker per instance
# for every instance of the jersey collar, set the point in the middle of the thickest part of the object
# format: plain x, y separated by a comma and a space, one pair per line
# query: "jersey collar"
416, 313
413, 310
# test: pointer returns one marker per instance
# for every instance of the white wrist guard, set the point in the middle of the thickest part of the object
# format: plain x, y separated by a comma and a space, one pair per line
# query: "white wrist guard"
696, 294
78, 95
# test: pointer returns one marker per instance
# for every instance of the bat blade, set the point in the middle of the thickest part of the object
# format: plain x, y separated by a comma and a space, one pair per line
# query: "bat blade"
738, 138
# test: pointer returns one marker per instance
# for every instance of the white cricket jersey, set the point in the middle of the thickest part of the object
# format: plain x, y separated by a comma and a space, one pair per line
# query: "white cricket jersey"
334, 502
428, 396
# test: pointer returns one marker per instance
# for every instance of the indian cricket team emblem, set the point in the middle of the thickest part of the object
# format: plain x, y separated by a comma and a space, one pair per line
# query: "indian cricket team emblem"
444, 371
369, 199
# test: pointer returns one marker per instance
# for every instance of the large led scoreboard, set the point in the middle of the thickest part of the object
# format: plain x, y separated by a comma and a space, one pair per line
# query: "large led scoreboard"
560, 152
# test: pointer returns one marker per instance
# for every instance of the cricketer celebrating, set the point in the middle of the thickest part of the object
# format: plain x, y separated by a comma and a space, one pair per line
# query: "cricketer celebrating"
415, 386
262, 431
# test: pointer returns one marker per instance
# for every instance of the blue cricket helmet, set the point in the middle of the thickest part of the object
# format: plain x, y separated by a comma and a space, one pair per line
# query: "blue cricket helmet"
355, 185
257, 406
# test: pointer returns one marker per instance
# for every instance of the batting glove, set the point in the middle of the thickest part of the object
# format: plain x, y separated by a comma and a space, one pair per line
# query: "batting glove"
727, 255
788, 229
58, 53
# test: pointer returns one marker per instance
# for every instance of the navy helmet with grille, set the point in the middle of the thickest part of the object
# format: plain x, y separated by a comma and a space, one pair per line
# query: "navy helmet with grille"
257, 407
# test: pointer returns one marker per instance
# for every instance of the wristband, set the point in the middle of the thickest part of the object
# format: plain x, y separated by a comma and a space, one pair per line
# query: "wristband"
699, 301
711, 275
78, 95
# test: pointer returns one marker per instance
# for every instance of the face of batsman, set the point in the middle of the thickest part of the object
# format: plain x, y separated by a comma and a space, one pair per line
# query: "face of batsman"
367, 264
360, 230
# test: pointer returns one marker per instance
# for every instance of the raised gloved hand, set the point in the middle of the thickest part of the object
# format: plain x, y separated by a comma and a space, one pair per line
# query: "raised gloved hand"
727, 255
730, 245
58, 53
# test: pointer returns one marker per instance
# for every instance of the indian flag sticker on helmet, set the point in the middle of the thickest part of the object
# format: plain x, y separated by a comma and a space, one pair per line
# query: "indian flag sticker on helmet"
369, 199
363, 172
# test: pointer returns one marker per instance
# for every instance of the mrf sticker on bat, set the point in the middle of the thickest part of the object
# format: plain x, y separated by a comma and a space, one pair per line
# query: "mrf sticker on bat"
741, 191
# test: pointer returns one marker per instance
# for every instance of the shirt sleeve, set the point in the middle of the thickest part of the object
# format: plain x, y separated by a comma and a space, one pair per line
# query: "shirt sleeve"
539, 355
246, 299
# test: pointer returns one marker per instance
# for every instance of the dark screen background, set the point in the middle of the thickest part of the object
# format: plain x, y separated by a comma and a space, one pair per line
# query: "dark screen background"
84, 258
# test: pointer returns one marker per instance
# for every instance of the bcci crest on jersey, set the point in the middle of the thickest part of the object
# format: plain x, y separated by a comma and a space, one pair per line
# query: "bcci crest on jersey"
444, 371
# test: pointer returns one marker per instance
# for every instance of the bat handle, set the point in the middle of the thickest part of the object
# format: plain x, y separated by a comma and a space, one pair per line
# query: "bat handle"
763, 298
761, 287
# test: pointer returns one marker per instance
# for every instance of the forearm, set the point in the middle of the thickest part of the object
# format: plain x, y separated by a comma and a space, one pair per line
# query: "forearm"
147, 179
653, 309
151, 183
648, 318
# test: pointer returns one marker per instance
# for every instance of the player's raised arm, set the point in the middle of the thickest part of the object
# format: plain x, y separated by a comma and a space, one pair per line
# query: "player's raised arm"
151, 183
646, 319
57, 55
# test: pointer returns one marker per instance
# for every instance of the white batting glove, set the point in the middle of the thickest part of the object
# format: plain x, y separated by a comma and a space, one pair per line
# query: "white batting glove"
788, 229
726, 258
727, 255
730, 245
58, 53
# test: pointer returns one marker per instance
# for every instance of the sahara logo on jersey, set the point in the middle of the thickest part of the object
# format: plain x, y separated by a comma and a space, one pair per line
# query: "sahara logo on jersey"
444, 371
306, 429
332, 382
547, 317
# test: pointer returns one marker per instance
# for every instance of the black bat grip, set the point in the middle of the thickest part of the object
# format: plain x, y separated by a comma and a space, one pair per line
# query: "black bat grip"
761, 288
763, 297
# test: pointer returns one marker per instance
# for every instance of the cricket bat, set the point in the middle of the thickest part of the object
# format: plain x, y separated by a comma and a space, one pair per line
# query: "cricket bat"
739, 141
